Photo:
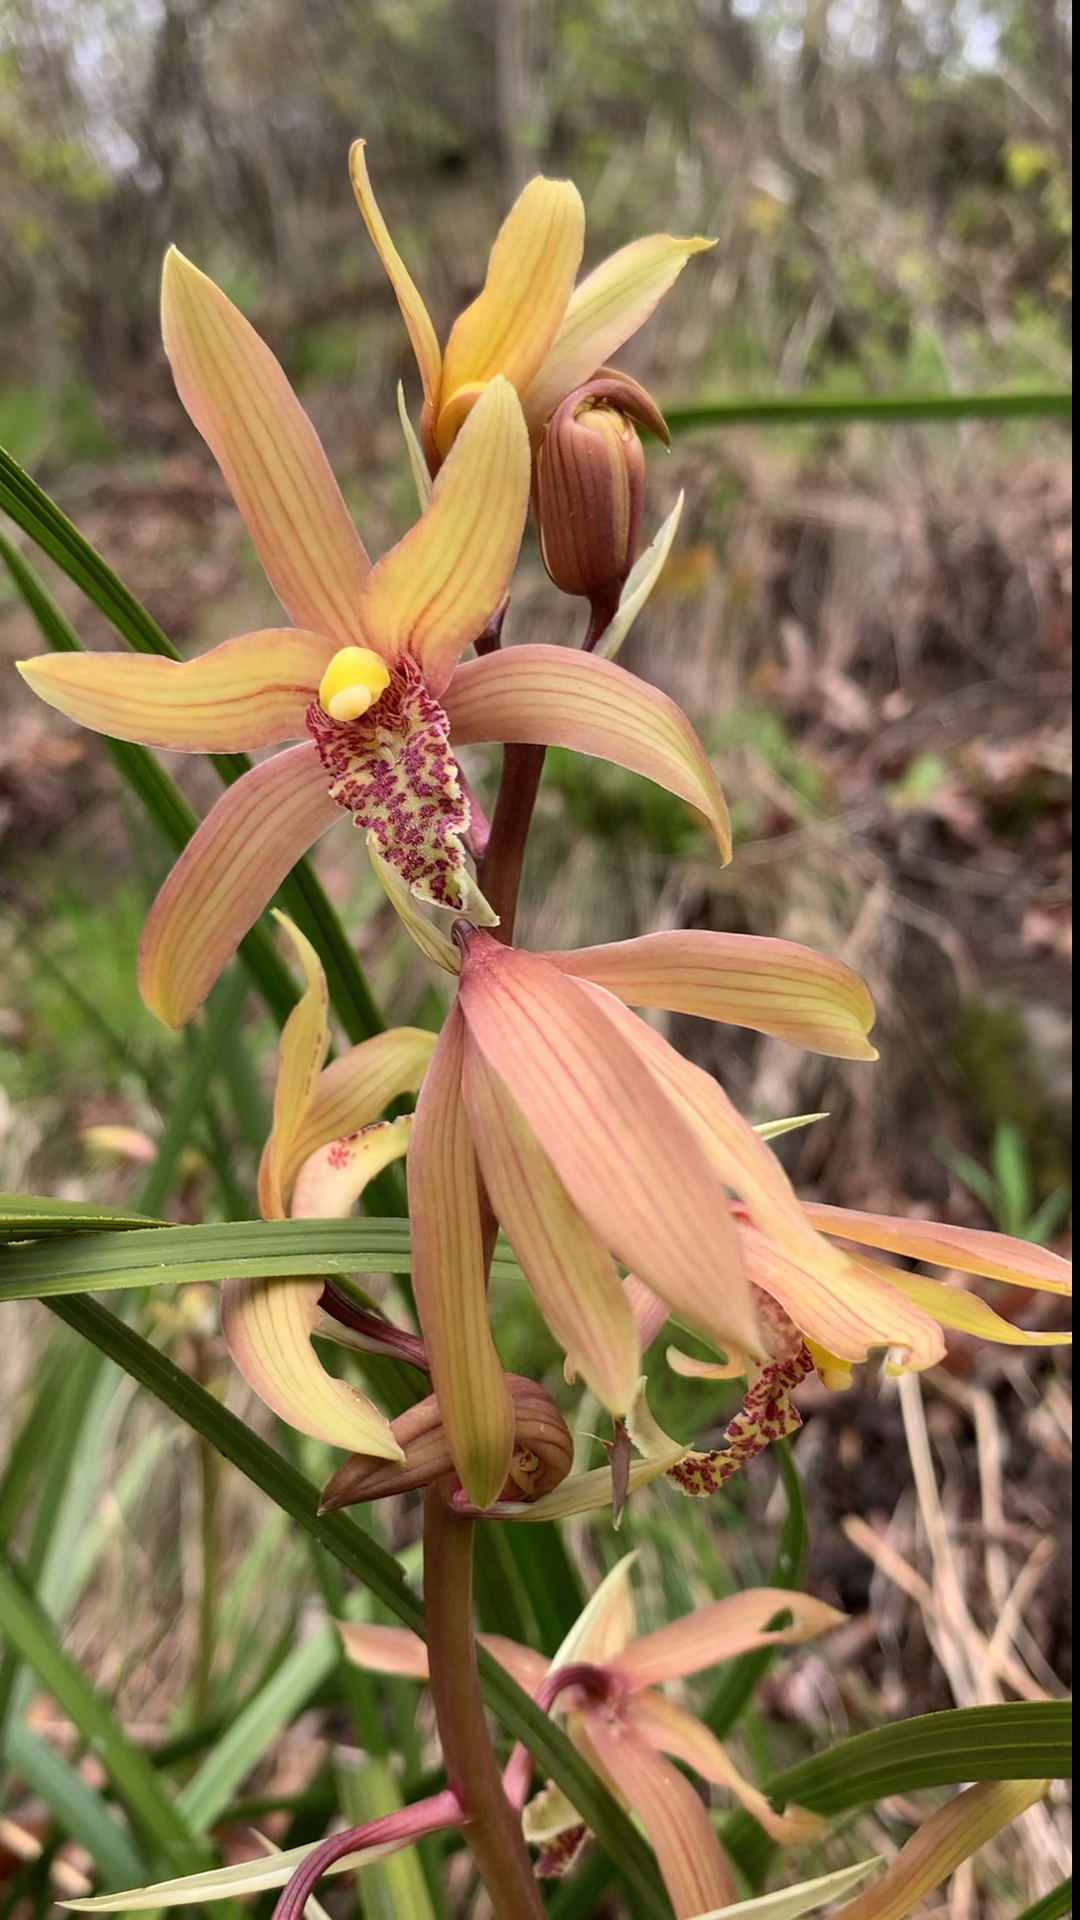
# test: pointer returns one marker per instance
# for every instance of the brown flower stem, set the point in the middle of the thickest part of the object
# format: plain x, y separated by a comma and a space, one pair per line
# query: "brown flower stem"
492, 1827
500, 869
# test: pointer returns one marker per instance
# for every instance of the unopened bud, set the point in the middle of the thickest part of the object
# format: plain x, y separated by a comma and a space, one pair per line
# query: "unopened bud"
542, 1457
590, 486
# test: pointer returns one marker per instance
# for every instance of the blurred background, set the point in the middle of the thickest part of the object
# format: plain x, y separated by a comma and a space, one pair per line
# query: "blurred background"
870, 624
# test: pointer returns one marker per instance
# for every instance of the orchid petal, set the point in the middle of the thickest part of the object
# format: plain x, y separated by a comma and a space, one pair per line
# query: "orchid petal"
250, 692
354, 1089
943, 1842
689, 1855
431, 941
613, 1137
230, 869
607, 1622
417, 464
571, 1273
773, 986
400, 1651
414, 313
513, 321
268, 450
721, 1631
554, 696
586, 1492
649, 1311
995, 1256
437, 589
669, 1727
692, 1369
844, 1310
966, 1312
223, 1883
267, 1326
640, 582
332, 1178
610, 304
448, 1276
791, 1903
304, 1045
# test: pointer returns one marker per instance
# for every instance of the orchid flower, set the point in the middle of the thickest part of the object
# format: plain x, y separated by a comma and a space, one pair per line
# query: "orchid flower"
368, 679
608, 1684
326, 1143
530, 323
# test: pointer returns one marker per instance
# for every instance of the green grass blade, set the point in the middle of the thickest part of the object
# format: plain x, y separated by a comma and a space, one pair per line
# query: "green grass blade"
1022, 1740
218, 1034
1053, 1906
29, 1216
380, 1573
137, 1785
395, 1887
207, 1794
740, 1678
832, 409
76, 1808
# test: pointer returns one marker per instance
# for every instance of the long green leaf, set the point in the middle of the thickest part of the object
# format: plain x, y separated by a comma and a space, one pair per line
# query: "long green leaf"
799, 409
1053, 1906
31, 1216
1022, 1740
76, 1808
215, 1040
381, 1574
286, 1693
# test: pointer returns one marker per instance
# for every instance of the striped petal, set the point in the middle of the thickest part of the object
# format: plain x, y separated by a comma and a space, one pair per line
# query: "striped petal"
995, 1256
353, 1090
554, 696
943, 1842
845, 1311
609, 305
572, 1275
607, 1622
449, 1275
268, 450
250, 692
397, 1650
672, 1730
771, 985
304, 1045
689, 1855
332, 1179
624, 1151
967, 1312
722, 1630
226, 875
413, 311
514, 320
438, 588
268, 1326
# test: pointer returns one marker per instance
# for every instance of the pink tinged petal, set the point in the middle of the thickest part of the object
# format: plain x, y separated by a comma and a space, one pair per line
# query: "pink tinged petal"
693, 1369
511, 324
385, 1649
847, 1309
267, 1326
609, 305
438, 588
226, 875
771, 985
304, 1045
413, 311
556, 697
649, 1311
353, 1090
332, 1179
250, 692
722, 1630
943, 1842
672, 1730
622, 1149
996, 1256
268, 450
571, 1273
689, 1855
607, 1623
449, 1276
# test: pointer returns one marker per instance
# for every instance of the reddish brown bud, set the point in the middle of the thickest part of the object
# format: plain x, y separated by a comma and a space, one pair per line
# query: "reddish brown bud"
543, 1452
590, 486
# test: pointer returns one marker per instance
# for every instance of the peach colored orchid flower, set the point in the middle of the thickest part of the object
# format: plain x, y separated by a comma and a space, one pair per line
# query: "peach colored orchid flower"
530, 323
327, 1142
608, 1684
369, 678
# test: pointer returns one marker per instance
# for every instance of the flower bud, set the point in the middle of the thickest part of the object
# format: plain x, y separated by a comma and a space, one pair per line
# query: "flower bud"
590, 486
542, 1457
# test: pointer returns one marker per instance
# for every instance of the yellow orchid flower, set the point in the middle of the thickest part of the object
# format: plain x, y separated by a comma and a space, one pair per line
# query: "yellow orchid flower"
529, 323
369, 678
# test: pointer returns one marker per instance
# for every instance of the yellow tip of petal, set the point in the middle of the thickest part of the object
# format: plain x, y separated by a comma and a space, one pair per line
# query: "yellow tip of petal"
352, 683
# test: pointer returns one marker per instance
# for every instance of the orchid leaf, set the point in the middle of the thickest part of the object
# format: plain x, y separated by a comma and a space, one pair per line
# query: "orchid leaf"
797, 410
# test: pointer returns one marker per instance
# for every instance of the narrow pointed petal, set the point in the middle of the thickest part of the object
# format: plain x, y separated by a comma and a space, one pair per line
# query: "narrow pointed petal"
250, 692
304, 1045
793, 1902
354, 1089
396, 1650
649, 1311
640, 582
572, 1275
268, 450
607, 1622
721, 1631
224, 1883
588, 1492
413, 311
226, 875
332, 1179
966, 1312
556, 697
610, 304
438, 588
449, 1276
773, 986
847, 1310
432, 942
690, 1857
673, 1731
615, 1140
996, 1256
267, 1326
513, 321
943, 1842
